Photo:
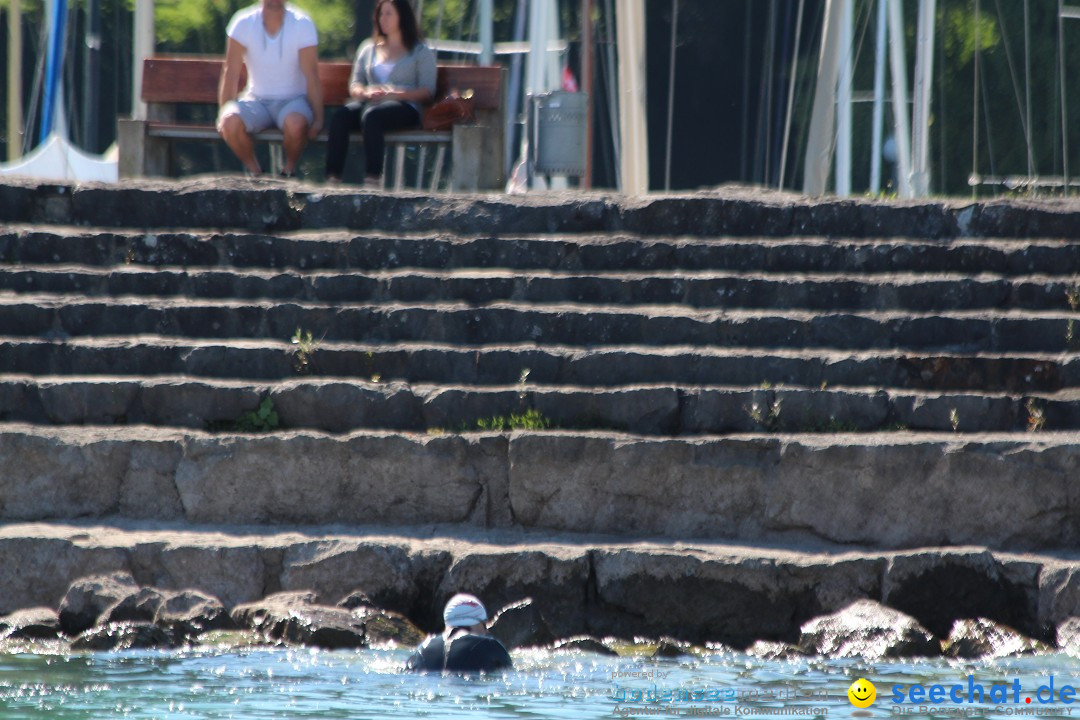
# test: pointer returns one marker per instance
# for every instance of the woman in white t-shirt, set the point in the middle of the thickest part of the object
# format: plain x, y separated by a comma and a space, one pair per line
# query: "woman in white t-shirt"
393, 77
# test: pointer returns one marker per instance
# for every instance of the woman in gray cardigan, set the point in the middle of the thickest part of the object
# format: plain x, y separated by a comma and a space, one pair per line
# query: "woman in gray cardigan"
393, 76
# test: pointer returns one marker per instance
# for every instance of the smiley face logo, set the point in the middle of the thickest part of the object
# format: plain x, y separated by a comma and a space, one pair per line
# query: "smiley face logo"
862, 693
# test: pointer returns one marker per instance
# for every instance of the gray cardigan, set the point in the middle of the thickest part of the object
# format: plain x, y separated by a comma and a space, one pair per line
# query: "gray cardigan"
415, 70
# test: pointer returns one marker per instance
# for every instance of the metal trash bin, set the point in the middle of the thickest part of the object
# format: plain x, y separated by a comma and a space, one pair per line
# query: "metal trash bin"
560, 125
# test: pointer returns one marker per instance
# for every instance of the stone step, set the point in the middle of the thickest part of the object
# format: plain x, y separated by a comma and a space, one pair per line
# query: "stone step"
340, 405
60, 316
918, 293
581, 583
344, 250
598, 366
885, 489
234, 203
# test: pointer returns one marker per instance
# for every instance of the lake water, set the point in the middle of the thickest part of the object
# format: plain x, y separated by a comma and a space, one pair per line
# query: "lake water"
301, 683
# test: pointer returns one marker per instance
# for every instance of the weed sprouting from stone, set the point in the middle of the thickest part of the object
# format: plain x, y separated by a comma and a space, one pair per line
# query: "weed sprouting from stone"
263, 419
766, 415
521, 383
529, 420
954, 420
1072, 295
303, 350
1036, 419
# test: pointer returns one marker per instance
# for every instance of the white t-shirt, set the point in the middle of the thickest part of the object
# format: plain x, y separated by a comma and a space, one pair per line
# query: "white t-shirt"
273, 63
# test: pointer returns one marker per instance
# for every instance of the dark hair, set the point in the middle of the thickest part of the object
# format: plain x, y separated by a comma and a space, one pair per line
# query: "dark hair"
410, 29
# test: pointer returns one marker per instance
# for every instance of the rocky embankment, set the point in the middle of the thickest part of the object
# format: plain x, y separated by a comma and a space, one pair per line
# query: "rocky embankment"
141, 584
112, 612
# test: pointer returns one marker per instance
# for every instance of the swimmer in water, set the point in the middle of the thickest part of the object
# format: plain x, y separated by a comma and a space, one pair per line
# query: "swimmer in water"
465, 645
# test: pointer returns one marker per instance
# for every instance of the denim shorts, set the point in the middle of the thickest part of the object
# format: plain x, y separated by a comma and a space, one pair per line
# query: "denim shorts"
258, 115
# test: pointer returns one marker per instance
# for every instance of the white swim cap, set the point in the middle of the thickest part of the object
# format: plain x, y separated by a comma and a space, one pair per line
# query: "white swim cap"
464, 611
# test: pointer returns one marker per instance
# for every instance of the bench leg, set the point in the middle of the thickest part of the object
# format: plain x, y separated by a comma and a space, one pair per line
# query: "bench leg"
420, 167
399, 166
140, 154
436, 174
466, 159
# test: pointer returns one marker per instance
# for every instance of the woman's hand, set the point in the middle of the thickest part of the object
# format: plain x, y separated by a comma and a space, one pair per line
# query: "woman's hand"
383, 92
358, 92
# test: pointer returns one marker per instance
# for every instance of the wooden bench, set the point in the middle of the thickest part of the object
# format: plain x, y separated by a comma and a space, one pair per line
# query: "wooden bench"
476, 150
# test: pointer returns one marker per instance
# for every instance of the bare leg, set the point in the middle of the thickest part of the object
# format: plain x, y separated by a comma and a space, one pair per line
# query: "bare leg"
236, 137
294, 138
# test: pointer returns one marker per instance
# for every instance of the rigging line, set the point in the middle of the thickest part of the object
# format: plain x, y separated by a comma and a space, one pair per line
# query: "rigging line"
438, 20
791, 93
1012, 74
744, 154
37, 88
613, 92
473, 35
974, 179
776, 139
1064, 115
1027, 86
761, 152
989, 128
804, 88
671, 92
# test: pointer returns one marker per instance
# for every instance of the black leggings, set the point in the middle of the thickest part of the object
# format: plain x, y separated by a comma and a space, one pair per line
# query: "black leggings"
376, 121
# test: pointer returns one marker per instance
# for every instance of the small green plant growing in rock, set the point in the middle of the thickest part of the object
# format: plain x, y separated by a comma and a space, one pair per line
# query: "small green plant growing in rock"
303, 350
262, 419
521, 383
1036, 420
529, 420
767, 416
954, 420
1072, 295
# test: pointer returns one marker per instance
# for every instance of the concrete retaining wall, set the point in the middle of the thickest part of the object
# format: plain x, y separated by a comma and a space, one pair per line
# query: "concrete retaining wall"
883, 490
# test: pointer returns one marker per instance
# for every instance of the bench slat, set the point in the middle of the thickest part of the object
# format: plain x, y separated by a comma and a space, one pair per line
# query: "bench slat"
207, 132
195, 78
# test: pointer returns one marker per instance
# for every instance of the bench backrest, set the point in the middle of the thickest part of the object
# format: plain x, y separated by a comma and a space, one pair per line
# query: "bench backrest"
194, 79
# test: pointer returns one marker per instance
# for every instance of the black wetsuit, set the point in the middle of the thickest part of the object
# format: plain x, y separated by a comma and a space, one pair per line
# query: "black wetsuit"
461, 653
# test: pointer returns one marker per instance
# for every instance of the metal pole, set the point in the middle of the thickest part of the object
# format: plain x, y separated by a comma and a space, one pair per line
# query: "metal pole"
91, 64
898, 70
537, 50
671, 92
924, 69
143, 48
514, 94
587, 86
487, 33
843, 103
14, 81
820, 137
633, 106
879, 99
974, 179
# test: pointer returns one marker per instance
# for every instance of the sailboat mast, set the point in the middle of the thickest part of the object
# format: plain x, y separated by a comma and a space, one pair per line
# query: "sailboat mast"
14, 81
91, 75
